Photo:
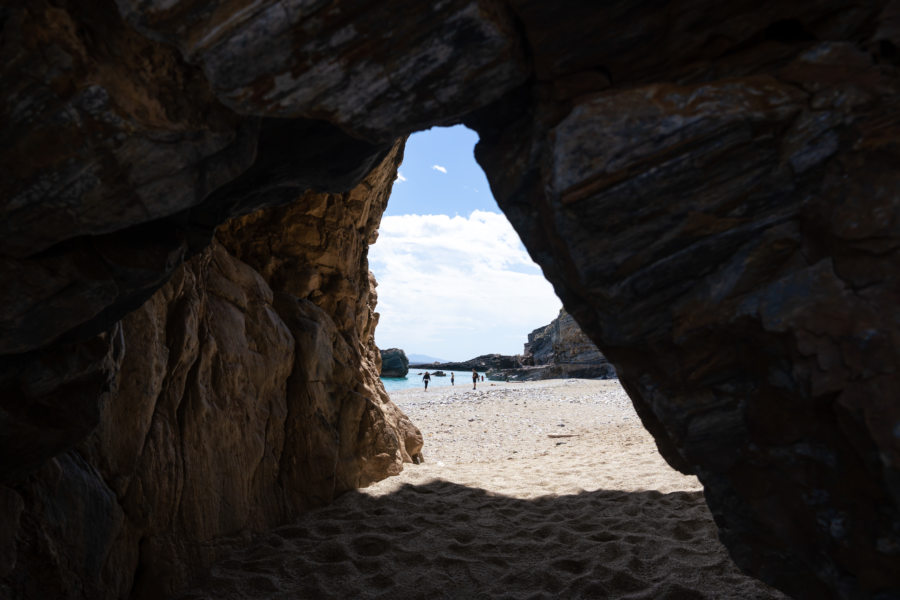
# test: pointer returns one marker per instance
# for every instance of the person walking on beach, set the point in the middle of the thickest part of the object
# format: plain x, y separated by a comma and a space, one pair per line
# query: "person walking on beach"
452, 379
474, 378
426, 378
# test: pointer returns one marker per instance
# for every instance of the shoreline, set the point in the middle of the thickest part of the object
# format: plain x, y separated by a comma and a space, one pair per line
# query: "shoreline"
497, 416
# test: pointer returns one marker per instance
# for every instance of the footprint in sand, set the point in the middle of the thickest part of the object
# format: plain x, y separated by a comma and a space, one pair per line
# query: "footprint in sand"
575, 567
623, 582
380, 581
683, 533
603, 536
460, 549
258, 583
463, 537
330, 551
327, 529
368, 566
371, 545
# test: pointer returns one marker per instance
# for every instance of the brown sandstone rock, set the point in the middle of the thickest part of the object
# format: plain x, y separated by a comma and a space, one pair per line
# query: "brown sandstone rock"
187, 445
233, 408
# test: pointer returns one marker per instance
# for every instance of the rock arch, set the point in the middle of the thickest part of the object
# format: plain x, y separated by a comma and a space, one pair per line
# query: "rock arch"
711, 188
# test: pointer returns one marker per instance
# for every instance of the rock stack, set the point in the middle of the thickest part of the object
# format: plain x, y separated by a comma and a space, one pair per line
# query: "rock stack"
394, 363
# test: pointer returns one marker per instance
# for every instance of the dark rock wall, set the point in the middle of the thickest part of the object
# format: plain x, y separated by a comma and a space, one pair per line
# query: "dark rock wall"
728, 237
711, 187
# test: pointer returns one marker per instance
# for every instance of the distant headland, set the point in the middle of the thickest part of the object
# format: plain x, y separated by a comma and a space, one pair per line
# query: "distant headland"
555, 351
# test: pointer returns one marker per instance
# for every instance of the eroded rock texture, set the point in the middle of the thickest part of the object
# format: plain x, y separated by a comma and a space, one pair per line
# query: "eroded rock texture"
711, 187
732, 247
239, 396
560, 349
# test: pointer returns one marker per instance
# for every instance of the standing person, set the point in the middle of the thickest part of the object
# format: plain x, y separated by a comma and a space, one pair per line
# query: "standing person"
474, 378
452, 379
426, 378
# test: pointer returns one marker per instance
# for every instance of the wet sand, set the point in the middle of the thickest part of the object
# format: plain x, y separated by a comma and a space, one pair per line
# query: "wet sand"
529, 490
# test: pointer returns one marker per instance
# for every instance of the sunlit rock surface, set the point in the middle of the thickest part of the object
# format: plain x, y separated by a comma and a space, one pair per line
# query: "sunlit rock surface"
238, 398
711, 187
561, 349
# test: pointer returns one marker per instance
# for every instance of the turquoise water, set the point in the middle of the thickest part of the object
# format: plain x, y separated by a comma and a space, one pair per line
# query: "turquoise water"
413, 379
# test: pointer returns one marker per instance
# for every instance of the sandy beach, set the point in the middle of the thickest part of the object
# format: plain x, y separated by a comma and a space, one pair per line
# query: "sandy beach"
546, 489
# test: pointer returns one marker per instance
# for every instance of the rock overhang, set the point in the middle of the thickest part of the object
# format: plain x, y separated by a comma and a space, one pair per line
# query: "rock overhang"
711, 190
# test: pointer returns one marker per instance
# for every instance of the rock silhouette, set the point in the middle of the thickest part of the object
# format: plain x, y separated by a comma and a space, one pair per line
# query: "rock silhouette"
710, 187
394, 363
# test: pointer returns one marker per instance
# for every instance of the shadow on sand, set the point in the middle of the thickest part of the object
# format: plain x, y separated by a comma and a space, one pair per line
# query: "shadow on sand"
444, 540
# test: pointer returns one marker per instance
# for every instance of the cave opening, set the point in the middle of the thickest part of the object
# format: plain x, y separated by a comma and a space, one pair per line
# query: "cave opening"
454, 280
513, 471
711, 188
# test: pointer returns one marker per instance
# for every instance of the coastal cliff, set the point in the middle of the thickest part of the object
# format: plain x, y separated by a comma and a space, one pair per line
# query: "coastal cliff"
561, 341
710, 187
558, 350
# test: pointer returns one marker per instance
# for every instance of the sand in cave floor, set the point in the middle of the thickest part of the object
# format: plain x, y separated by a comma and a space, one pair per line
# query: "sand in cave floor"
529, 490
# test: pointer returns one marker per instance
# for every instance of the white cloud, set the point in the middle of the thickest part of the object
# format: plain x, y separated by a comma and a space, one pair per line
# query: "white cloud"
457, 287
400, 178
439, 168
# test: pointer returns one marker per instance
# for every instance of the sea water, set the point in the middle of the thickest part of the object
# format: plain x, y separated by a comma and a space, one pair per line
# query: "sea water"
413, 379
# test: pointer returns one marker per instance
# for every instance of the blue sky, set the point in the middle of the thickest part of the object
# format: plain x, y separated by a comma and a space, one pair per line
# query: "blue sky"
454, 281
439, 175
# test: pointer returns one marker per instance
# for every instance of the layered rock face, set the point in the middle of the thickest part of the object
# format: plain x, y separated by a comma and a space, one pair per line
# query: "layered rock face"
394, 363
711, 188
727, 244
561, 349
240, 396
